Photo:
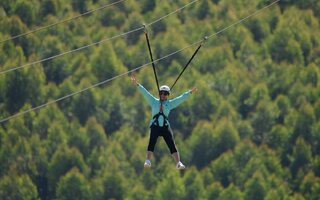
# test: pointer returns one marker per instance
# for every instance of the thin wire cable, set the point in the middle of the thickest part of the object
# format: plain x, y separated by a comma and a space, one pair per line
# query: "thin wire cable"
181, 8
118, 76
92, 86
95, 43
68, 52
243, 19
67, 96
62, 21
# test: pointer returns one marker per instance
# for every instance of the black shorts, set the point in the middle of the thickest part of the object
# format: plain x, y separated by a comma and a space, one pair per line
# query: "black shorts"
166, 133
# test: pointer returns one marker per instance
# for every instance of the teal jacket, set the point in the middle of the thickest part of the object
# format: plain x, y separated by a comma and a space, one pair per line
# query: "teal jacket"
167, 106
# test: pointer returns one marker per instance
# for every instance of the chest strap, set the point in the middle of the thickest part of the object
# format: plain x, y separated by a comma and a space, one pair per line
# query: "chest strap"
156, 117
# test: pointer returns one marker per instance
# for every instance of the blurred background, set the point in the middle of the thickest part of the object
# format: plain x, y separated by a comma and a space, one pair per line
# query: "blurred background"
73, 126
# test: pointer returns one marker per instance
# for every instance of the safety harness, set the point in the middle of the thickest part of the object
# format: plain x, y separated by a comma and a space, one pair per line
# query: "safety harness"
156, 117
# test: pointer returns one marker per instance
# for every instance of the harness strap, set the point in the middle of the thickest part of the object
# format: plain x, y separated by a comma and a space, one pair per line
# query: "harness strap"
160, 113
156, 118
185, 67
151, 57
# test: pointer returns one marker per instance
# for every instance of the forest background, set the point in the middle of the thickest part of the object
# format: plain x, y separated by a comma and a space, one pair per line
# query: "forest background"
252, 131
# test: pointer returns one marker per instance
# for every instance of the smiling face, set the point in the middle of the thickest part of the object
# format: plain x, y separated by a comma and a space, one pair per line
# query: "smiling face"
163, 95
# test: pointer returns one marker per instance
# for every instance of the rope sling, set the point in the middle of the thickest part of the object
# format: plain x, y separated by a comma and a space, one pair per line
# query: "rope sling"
185, 67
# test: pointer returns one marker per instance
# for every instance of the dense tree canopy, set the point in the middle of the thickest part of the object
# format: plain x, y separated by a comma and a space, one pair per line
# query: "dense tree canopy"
252, 130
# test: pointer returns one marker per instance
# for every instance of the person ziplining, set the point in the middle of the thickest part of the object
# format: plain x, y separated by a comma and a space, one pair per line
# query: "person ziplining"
161, 107
159, 124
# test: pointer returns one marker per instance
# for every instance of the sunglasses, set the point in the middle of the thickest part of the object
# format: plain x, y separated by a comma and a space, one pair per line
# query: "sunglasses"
164, 93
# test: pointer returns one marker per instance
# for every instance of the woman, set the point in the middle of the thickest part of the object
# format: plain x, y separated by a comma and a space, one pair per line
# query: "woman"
159, 124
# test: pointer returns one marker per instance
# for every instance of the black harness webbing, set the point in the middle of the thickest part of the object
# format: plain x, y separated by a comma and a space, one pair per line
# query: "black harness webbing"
185, 67
156, 117
151, 57
160, 113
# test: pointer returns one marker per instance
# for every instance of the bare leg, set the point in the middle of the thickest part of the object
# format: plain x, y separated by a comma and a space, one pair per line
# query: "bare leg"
149, 155
176, 157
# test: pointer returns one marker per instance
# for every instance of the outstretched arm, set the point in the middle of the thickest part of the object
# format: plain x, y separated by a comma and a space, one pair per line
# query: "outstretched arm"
146, 94
180, 99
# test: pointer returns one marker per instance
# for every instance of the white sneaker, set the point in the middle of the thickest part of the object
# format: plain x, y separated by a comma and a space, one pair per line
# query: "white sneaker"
180, 166
147, 164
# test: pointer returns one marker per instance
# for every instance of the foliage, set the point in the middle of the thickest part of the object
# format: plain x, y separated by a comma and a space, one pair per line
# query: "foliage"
252, 130
73, 185
17, 187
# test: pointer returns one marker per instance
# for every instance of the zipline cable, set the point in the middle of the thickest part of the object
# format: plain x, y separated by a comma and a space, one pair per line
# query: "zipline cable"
238, 22
95, 43
150, 52
113, 78
62, 21
243, 19
68, 52
165, 16
92, 86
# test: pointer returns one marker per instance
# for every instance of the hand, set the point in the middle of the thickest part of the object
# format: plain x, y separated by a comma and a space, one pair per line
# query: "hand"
134, 80
193, 90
